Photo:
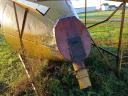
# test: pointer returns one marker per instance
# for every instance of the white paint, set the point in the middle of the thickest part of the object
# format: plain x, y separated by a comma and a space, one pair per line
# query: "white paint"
36, 6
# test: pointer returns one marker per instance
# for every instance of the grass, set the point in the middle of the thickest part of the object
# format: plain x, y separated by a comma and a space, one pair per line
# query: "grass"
59, 80
106, 33
11, 71
101, 14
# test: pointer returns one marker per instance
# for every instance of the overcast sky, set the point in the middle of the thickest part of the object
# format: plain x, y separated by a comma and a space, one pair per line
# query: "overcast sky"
81, 3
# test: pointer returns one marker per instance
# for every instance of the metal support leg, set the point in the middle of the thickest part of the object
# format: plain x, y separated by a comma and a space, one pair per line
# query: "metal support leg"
97, 48
93, 42
101, 53
85, 12
107, 18
29, 76
24, 22
119, 53
18, 27
22, 55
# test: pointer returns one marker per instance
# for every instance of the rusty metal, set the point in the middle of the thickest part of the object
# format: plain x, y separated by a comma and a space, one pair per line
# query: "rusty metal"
107, 18
99, 50
119, 53
85, 12
82, 76
93, 43
109, 52
71, 27
87, 27
76, 49
74, 43
24, 22
37, 92
16, 18
22, 53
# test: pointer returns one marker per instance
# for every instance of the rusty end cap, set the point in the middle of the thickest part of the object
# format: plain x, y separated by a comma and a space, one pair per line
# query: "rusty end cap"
67, 28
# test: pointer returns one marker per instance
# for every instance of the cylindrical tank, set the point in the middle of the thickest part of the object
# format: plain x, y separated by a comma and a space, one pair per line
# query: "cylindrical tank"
38, 37
24, 29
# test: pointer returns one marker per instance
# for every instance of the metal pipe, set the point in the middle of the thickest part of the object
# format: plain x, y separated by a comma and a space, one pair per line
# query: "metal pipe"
17, 22
97, 48
94, 44
107, 18
37, 92
24, 22
21, 57
82, 75
85, 12
106, 51
119, 53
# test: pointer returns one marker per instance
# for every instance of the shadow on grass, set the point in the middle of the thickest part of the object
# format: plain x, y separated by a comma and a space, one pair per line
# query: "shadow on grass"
58, 79
3, 87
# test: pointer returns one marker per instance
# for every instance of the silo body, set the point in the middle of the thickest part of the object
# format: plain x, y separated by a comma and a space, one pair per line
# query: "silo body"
38, 36
46, 35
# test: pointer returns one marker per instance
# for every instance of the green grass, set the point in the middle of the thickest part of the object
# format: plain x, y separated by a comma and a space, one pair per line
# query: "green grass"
59, 80
11, 70
106, 33
101, 14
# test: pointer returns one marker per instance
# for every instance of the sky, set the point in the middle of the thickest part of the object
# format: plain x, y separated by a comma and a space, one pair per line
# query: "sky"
90, 3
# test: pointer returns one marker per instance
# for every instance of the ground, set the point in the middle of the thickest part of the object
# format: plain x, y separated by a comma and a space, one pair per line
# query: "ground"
59, 80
